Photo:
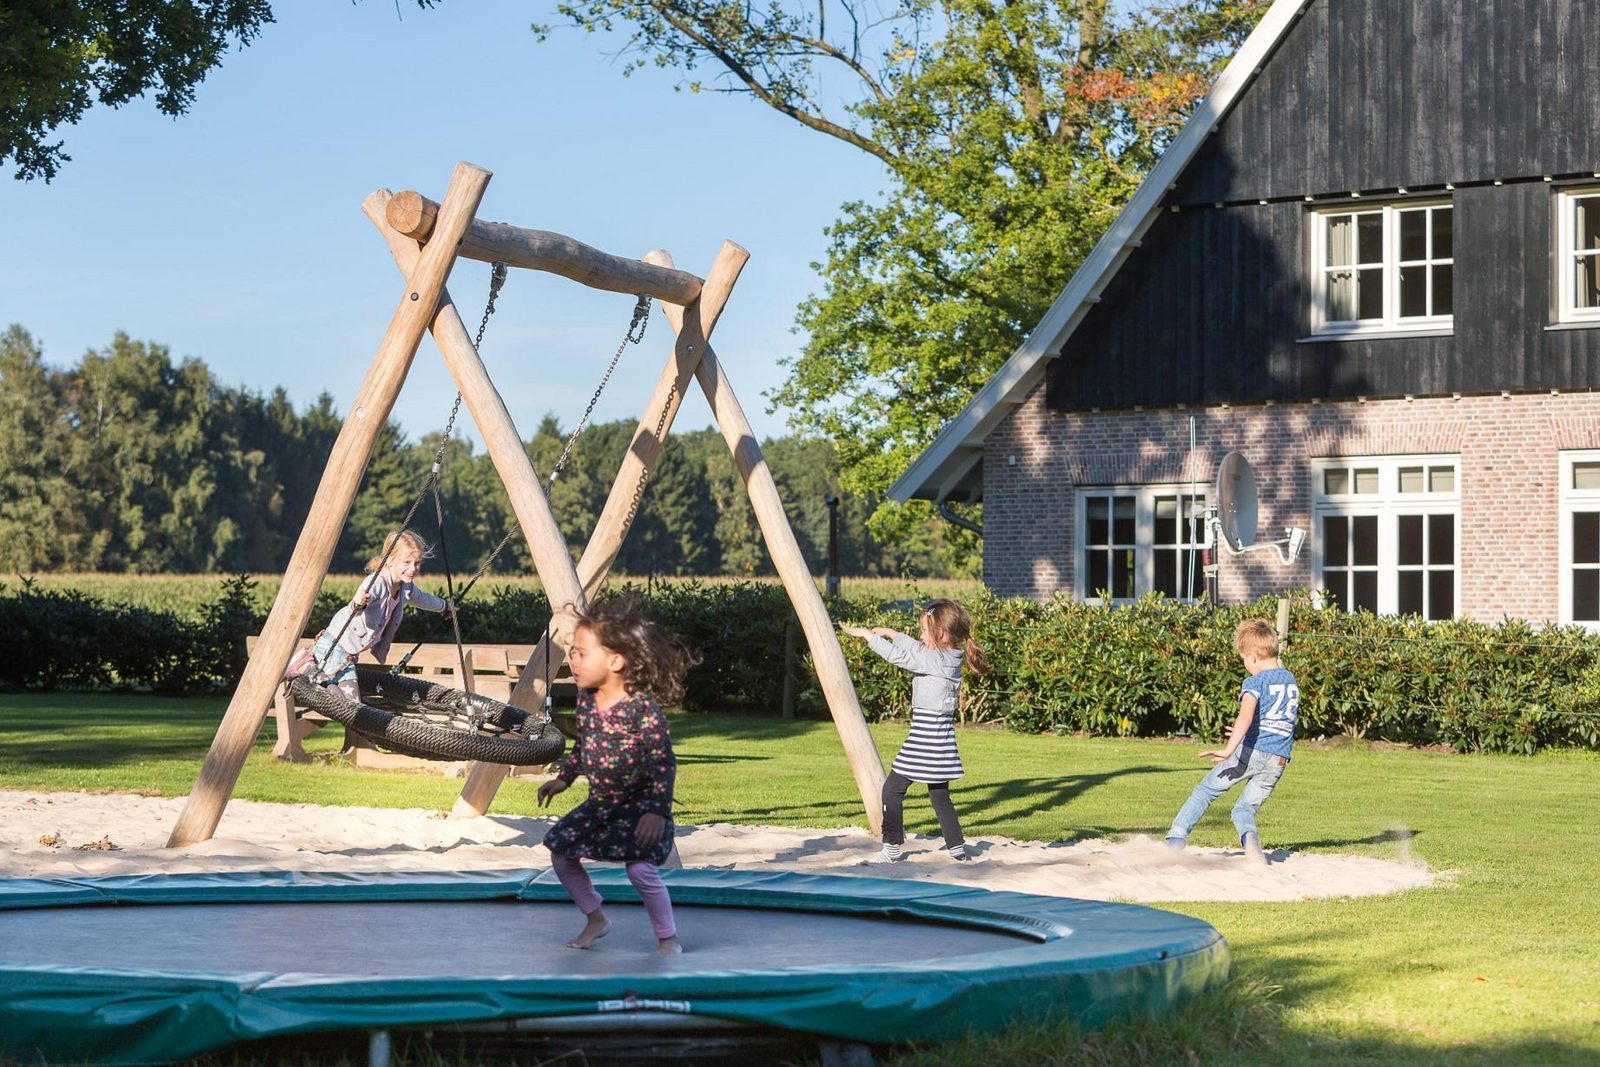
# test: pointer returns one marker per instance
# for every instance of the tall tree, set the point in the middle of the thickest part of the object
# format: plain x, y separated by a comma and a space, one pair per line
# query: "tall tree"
59, 57
41, 515
1010, 134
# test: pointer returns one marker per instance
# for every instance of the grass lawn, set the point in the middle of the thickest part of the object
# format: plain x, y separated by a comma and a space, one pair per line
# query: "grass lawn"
1498, 966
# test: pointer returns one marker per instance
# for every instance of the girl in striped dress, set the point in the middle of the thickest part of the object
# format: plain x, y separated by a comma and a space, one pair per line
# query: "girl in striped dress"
929, 754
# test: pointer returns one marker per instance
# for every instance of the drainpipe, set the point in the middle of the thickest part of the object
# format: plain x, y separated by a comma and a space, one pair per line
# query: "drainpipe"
951, 517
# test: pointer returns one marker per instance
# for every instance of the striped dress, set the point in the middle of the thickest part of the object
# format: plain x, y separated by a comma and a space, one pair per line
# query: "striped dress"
929, 753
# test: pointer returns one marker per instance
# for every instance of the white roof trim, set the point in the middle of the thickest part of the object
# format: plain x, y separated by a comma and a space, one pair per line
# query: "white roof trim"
931, 471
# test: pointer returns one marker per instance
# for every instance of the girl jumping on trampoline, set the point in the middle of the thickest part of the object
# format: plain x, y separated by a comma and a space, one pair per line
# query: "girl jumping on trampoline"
623, 665
929, 754
373, 615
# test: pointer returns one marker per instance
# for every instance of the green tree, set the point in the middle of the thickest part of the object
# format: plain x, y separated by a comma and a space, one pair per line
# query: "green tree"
1010, 133
41, 521
59, 57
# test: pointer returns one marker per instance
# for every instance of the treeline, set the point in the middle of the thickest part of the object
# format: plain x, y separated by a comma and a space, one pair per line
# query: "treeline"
129, 462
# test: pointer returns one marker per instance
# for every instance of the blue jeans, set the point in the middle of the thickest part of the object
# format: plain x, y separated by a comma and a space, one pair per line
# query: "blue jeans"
337, 666
1258, 770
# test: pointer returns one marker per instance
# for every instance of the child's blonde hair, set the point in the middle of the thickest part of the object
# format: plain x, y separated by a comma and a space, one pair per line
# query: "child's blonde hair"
410, 538
652, 659
951, 627
1256, 637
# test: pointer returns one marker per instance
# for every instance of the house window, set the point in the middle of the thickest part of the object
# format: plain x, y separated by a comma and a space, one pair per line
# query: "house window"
1382, 269
1580, 538
1138, 540
1387, 533
1578, 255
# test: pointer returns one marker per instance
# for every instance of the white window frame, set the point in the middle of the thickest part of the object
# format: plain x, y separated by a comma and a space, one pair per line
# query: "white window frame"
1573, 502
1392, 324
1387, 504
1567, 253
1144, 545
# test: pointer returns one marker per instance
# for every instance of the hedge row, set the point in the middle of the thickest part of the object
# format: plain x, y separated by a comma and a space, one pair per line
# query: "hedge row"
1151, 668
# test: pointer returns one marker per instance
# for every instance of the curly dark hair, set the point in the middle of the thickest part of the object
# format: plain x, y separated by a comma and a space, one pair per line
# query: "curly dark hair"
653, 659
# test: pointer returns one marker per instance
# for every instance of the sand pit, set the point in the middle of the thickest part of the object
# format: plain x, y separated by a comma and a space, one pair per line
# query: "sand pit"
55, 835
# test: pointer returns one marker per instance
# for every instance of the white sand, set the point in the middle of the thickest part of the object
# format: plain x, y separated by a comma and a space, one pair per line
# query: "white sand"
41, 835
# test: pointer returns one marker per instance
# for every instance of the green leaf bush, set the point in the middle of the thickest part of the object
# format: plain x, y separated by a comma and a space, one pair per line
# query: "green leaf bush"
1150, 668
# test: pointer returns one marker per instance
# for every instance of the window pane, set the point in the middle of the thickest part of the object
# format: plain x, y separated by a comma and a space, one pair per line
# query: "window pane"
1410, 593
1335, 546
1586, 537
1369, 293
1443, 245
1411, 479
1364, 590
1097, 574
1443, 479
1411, 546
1122, 573
1097, 523
1441, 594
1413, 235
1369, 237
1166, 523
1586, 596
1122, 528
1587, 218
1338, 481
1189, 574
1441, 539
1341, 296
1586, 291
1166, 561
1443, 290
1340, 246
1367, 480
1364, 550
1413, 292
1338, 585
1586, 476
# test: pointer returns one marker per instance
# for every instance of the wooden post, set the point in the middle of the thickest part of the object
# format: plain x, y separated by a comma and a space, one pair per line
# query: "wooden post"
826, 654
340, 479
414, 215
627, 489
1283, 622
545, 541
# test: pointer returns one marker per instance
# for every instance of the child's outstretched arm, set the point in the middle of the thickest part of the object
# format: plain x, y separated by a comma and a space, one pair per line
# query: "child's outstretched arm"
1241, 726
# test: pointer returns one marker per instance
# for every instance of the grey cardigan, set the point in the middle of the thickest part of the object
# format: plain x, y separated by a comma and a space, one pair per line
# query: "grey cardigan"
938, 670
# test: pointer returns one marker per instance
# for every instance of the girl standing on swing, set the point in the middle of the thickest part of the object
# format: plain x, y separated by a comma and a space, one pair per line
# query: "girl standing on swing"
369, 621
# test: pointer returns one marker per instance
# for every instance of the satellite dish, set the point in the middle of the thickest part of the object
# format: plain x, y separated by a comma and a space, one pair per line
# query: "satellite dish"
1236, 502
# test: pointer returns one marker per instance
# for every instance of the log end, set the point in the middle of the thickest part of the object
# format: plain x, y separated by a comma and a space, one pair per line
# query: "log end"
412, 214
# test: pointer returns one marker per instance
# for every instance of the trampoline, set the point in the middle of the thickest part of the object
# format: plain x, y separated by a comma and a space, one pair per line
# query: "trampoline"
163, 967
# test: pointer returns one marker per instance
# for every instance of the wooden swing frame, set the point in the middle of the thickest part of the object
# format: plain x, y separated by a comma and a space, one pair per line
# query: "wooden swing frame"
425, 240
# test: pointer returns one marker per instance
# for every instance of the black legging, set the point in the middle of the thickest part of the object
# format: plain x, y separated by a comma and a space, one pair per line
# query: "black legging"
894, 798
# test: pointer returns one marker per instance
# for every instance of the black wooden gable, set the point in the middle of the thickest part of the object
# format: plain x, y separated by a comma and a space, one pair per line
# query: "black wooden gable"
1380, 94
1372, 96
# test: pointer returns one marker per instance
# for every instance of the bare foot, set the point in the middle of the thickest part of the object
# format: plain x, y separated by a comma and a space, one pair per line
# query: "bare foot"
593, 930
669, 946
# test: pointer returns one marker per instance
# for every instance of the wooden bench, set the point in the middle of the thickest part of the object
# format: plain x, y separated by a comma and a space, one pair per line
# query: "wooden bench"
490, 669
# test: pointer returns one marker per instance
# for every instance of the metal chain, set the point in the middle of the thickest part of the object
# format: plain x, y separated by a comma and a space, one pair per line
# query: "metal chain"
497, 281
641, 319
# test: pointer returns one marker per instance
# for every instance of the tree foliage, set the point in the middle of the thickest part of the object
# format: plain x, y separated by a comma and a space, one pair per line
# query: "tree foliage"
131, 462
1011, 133
57, 59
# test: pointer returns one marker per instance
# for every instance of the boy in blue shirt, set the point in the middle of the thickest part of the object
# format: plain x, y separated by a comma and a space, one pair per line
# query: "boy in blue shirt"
1258, 745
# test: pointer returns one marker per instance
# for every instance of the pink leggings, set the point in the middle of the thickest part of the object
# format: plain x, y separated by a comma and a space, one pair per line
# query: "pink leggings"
644, 876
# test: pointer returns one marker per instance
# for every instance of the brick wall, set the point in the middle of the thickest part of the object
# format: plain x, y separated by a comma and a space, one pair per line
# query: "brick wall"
1036, 459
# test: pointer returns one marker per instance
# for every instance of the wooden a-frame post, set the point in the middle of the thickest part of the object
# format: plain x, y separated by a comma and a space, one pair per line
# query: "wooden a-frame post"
425, 239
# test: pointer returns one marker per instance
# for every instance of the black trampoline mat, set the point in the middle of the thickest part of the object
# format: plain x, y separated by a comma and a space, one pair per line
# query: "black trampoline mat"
469, 939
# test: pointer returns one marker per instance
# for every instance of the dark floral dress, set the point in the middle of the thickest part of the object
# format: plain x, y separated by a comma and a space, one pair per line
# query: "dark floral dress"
627, 754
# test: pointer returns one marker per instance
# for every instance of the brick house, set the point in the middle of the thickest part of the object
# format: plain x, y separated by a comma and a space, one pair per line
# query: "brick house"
1371, 264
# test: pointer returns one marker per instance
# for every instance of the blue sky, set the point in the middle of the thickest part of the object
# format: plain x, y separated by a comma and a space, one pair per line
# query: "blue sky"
234, 233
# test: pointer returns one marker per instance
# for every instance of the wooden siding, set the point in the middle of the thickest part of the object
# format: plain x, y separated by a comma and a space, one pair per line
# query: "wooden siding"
1379, 94
1211, 307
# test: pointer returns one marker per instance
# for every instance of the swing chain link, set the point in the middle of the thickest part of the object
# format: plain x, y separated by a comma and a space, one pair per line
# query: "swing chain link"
640, 320
497, 281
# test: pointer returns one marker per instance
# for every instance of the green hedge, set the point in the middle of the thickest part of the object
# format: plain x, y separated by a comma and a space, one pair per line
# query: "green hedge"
1151, 668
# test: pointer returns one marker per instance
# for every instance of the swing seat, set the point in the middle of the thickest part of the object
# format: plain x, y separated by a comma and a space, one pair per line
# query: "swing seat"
415, 717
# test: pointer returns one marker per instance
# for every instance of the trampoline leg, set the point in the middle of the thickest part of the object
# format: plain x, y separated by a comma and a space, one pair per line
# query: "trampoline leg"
844, 1054
379, 1046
